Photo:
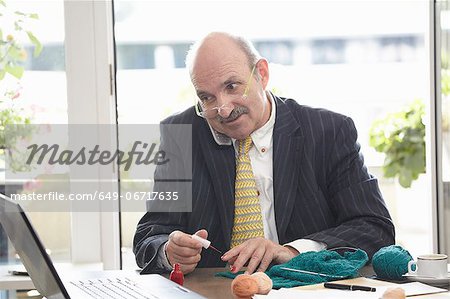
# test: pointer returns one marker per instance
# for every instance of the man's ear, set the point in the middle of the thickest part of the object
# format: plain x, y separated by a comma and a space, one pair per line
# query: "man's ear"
263, 72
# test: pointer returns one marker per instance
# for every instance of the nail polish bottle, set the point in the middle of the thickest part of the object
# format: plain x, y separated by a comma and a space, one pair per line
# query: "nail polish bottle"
176, 275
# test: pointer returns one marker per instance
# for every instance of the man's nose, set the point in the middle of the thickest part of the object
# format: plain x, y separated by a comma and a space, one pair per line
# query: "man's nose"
225, 110
225, 106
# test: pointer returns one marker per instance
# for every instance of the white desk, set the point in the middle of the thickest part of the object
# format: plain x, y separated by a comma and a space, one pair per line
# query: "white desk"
19, 282
13, 282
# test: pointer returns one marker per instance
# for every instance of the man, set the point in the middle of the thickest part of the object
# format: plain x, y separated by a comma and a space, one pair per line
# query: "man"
301, 165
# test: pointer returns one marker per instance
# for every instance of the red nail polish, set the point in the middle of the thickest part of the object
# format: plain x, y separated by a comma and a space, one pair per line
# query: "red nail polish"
176, 275
232, 268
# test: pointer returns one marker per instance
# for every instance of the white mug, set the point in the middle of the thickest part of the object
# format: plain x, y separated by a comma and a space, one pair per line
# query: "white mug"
430, 265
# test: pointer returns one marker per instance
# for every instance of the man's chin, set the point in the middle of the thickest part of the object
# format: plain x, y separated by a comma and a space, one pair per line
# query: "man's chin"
237, 129
237, 134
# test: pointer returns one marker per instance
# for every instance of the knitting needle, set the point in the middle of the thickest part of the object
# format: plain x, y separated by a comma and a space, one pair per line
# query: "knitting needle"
205, 243
313, 273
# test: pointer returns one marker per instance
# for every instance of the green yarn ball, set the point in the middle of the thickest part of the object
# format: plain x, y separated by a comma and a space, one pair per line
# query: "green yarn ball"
391, 262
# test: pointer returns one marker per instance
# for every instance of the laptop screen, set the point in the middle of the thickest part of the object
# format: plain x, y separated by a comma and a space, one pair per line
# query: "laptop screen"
30, 249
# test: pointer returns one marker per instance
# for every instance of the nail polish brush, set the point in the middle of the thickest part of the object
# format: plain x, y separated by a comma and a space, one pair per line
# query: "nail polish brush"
205, 243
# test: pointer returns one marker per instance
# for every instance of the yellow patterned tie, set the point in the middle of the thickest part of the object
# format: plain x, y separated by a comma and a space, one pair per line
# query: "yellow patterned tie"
248, 222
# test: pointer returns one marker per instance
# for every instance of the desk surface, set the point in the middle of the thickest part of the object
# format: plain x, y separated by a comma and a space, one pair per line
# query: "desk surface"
205, 283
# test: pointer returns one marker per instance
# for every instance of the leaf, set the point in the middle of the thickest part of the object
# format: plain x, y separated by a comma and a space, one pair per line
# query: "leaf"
404, 182
1, 33
2, 3
14, 53
2, 74
19, 13
34, 16
418, 163
390, 171
17, 27
405, 178
37, 44
401, 137
16, 71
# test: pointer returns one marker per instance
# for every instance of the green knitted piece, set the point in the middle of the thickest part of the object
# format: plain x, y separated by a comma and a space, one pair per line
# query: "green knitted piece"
325, 262
228, 274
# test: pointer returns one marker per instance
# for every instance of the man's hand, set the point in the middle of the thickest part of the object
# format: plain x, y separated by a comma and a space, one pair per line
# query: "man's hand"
184, 250
258, 251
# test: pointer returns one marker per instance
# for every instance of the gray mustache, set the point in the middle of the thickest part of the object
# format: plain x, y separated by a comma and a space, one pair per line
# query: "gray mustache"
235, 113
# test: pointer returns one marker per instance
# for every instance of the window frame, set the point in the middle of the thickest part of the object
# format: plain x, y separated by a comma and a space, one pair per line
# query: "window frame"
442, 234
89, 48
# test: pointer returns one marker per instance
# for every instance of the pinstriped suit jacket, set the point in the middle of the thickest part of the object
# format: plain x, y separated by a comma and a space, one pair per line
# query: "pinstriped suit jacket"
322, 190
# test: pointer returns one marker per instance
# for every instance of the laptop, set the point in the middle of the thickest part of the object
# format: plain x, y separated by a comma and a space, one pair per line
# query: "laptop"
102, 284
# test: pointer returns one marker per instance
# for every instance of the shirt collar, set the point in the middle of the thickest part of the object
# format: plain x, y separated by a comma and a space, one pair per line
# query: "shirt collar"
262, 138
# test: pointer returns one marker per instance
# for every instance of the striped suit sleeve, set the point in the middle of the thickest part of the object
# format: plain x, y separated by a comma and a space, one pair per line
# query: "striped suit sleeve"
362, 218
154, 228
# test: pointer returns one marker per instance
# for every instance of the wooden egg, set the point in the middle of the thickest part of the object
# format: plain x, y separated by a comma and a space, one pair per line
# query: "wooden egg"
264, 282
394, 293
244, 286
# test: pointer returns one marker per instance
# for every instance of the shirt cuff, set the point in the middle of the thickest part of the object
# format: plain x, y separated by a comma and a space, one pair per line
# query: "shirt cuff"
162, 260
304, 245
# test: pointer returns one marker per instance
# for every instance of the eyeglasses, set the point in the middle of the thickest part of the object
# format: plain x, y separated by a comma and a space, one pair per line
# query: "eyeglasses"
208, 108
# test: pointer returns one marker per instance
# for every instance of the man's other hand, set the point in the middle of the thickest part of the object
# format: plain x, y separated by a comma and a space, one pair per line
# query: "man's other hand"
184, 250
258, 253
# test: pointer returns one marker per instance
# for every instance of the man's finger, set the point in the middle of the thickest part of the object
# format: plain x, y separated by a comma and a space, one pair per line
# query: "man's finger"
233, 253
232, 260
182, 251
184, 240
202, 233
255, 259
245, 254
194, 259
266, 260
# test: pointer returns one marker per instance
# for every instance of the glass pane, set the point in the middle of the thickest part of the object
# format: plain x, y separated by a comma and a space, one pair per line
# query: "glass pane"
39, 95
445, 97
360, 67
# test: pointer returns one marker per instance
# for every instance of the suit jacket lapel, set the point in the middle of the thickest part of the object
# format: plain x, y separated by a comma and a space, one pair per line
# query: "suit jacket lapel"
221, 164
287, 150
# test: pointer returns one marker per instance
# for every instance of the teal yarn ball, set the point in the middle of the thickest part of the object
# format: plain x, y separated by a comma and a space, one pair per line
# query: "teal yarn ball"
391, 262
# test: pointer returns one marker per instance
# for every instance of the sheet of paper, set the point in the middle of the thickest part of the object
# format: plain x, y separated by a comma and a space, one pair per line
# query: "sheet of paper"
411, 289
418, 288
317, 294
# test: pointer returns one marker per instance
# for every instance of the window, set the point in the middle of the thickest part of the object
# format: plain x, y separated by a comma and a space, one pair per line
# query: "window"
67, 84
362, 67
42, 96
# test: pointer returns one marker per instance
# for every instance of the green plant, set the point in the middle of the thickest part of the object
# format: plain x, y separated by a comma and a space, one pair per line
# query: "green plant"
401, 137
14, 30
12, 52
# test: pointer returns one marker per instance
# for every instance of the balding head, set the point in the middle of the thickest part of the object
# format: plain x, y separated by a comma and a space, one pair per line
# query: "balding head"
230, 78
217, 44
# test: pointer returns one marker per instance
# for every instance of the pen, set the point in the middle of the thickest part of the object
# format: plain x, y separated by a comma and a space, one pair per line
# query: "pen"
339, 286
